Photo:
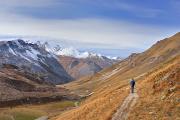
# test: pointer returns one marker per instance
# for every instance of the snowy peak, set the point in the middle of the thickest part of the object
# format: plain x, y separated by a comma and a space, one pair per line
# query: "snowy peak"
80, 64
33, 58
75, 53
72, 52
20, 48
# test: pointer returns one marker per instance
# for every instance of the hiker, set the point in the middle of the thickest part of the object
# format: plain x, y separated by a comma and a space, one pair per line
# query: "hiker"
132, 84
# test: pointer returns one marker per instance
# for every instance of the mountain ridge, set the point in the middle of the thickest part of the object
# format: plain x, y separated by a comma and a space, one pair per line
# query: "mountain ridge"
79, 64
80, 67
33, 58
110, 87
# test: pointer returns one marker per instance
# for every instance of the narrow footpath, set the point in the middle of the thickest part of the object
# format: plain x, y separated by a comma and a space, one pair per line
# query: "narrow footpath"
125, 108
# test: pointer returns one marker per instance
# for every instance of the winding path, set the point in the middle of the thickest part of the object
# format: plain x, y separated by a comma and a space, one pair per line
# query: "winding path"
125, 108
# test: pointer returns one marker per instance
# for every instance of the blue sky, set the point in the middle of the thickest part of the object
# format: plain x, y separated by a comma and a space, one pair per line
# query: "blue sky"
110, 27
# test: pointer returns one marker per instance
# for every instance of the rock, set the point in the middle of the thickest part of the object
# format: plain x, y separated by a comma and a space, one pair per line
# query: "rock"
172, 89
163, 97
151, 113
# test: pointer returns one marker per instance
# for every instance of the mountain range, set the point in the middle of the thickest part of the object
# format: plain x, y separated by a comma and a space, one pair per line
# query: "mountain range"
33, 73
34, 59
29, 72
49, 64
80, 67
79, 64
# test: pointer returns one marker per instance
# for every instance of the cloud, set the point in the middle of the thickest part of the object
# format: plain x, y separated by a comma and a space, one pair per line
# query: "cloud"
110, 33
78, 8
86, 32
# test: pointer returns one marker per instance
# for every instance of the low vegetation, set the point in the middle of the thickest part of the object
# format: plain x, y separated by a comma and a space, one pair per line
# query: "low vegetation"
157, 74
31, 112
160, 98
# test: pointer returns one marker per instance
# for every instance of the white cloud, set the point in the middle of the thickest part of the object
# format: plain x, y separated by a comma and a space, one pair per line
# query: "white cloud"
110, 32
92, 31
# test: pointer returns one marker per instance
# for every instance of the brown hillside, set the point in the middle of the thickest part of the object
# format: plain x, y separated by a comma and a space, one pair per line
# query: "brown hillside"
20, 87
80, 67
134, 65
110, 87
159, 95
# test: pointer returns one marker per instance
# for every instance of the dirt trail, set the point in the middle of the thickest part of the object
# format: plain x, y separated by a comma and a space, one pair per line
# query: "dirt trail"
42, 118
125, 108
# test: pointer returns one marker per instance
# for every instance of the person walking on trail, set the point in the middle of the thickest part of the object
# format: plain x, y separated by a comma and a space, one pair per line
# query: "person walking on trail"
132, 84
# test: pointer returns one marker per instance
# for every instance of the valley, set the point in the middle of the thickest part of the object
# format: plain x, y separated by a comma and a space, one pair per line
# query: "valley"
88, 66
148, 69
89, 60
99, 96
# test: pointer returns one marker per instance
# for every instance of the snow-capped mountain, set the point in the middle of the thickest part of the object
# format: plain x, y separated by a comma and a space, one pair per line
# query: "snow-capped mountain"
33, 58
51, 62
54, 64
79, 64
75, 53
72, 52
115, 58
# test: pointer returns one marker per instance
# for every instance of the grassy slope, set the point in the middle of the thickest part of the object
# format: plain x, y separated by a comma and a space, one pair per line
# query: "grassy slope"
31, 112
134, 65
160, 98
109, 92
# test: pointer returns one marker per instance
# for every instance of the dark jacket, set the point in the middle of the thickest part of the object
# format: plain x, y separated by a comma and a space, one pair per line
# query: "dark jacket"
132, 83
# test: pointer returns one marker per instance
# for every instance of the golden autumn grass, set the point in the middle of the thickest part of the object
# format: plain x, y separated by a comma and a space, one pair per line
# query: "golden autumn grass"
109, 92
110, 87
107, 96
105, 100
30, 112
160, 98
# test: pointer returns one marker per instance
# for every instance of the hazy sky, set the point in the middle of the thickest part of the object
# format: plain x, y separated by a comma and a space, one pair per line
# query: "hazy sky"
97, 24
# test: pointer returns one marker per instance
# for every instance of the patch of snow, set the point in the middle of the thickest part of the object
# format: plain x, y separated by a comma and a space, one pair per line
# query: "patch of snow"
12, 51
17, 43
75, 53
70, 51
32, 53
42, 60
25, 57
114, 58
